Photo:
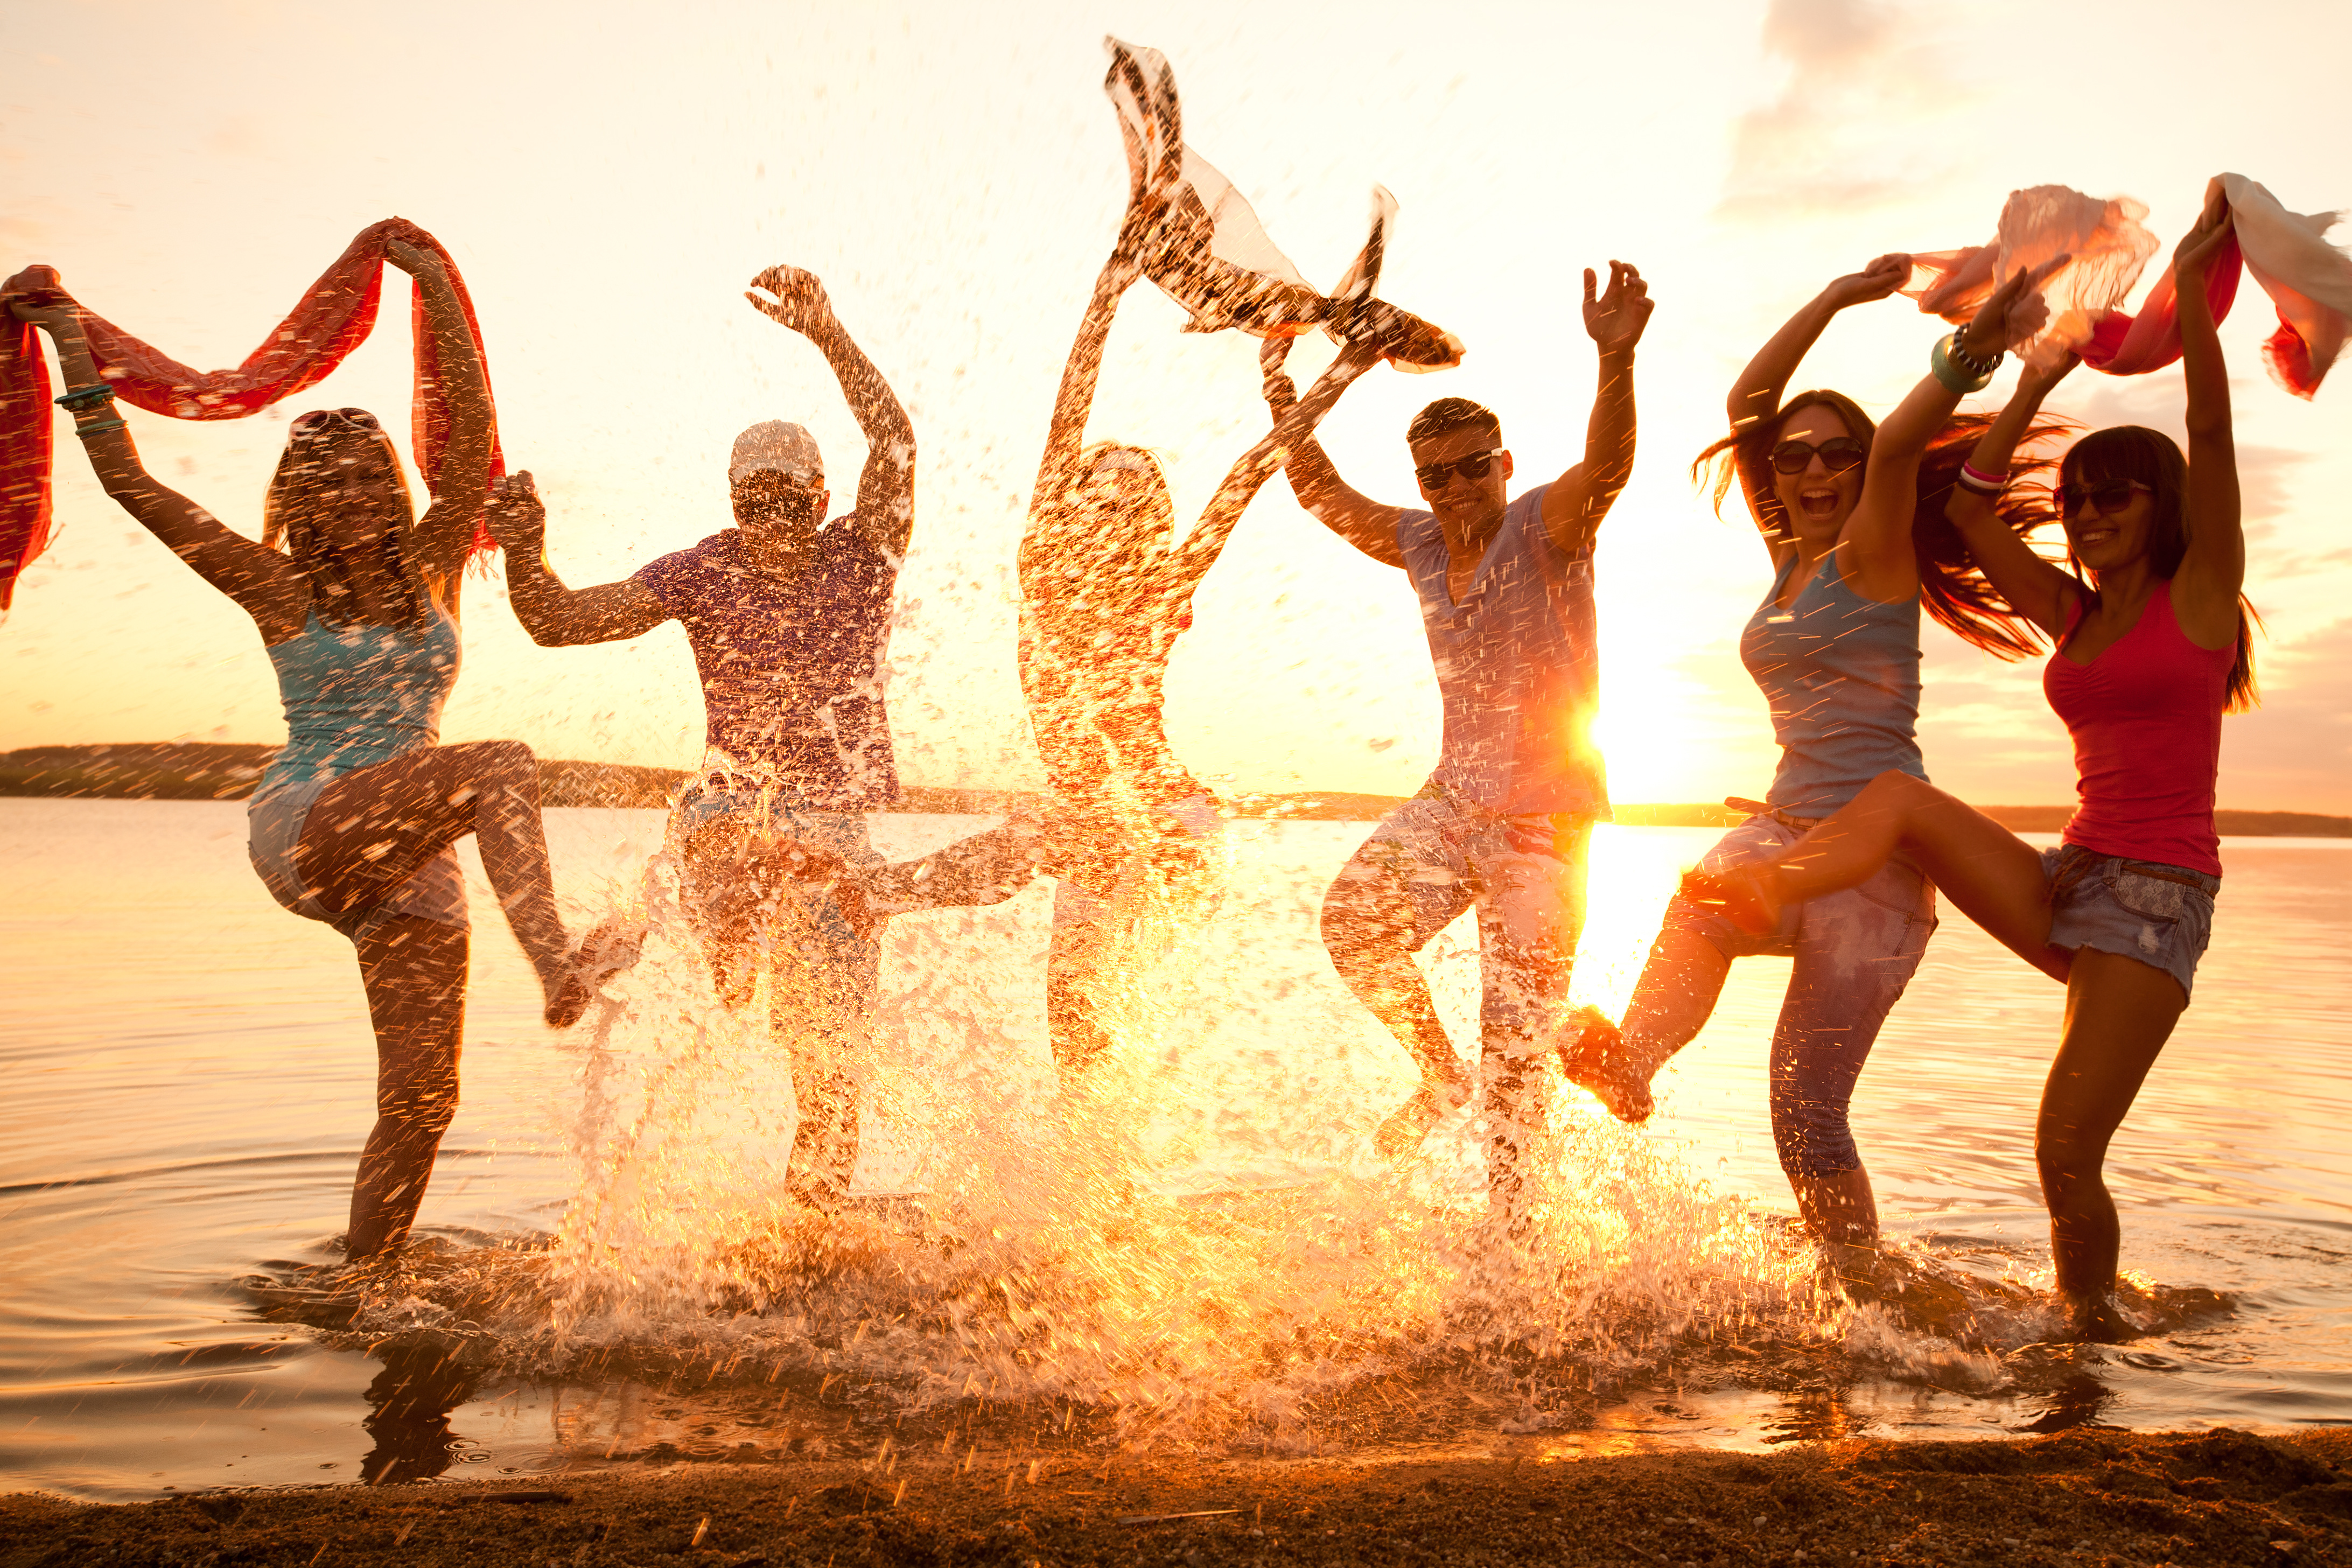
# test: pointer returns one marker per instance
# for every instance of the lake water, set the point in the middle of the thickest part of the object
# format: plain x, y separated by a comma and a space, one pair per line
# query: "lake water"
188, 1075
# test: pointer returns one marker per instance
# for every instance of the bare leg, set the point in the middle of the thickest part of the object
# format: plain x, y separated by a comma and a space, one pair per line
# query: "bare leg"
1672, 1002
1993, 876
2119, 1014
416, 974
1073, 965
1369, 926
1530, 918
744, 898
370, 830
1838, 1208
729, 894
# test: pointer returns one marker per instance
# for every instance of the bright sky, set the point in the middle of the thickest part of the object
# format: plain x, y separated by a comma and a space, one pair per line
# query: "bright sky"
610, 181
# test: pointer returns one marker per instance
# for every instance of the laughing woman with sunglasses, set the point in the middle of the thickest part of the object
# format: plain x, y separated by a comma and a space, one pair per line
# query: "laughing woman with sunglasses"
356, 600
1852, 516
2152, 650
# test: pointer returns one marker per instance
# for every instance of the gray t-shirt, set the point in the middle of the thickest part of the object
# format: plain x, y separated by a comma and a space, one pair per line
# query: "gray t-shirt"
1518, 668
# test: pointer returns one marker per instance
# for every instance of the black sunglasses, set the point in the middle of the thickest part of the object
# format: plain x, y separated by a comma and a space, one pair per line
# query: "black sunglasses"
319, 419
2112, 496
1838, 454
1434, 475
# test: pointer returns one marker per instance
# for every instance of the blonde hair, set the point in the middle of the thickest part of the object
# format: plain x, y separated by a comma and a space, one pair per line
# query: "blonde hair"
295, 504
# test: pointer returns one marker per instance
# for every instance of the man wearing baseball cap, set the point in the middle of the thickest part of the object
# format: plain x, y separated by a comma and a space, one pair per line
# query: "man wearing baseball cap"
789, 617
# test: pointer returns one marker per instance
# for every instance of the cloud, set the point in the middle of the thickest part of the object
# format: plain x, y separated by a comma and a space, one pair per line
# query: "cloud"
1843, 132
2295, 751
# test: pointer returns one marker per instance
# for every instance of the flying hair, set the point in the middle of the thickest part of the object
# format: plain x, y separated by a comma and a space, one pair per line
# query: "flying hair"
1951, 587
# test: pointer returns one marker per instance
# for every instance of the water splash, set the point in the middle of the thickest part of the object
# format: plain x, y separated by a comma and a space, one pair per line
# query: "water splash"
1198, 1249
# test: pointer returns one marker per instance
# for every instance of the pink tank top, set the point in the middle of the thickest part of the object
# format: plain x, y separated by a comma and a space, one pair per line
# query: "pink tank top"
2146, 719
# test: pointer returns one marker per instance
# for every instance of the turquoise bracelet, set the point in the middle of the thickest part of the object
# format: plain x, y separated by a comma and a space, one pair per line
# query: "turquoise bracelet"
91, 396
101, 427
1954, 378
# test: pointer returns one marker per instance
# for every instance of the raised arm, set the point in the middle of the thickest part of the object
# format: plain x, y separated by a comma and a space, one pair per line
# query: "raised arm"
2034, 588
1370, 525
1057, 470
1881, 562
886, 486
1757, 394
1574, 505
555, 616
2213, 571
1190, 561
263, 582
444, 534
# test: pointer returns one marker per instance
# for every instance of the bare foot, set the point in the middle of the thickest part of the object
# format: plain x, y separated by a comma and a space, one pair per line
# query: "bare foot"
1592, 1054
1409, 1124
2097, 1320
604, 952
1745, 895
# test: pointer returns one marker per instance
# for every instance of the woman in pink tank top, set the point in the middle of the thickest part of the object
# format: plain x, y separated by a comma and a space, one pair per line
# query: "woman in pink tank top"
2151, 648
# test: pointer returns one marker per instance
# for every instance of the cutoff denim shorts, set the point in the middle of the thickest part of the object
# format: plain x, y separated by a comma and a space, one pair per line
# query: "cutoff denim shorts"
2107, 902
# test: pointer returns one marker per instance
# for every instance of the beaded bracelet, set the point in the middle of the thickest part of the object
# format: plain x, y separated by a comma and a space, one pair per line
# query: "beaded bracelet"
91, 396
101, 427
1947, 371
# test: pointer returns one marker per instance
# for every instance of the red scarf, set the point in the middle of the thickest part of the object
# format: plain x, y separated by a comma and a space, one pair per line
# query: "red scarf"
334, 316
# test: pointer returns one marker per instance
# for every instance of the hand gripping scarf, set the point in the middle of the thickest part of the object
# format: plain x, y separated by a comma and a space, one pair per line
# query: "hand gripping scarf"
1211, 254
2308, 279
334, 316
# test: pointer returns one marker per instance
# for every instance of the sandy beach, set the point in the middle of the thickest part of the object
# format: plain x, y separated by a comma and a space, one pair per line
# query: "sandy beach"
2081, 1498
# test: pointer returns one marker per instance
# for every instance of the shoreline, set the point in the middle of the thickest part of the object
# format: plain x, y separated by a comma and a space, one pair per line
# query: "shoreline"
2088, 1496
210, 770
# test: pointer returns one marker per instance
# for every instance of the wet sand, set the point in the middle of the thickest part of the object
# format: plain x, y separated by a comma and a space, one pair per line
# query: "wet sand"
2084, 1497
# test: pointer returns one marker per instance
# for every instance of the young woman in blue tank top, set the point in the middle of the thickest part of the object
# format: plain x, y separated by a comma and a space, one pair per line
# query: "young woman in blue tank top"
353, 822
1852, 516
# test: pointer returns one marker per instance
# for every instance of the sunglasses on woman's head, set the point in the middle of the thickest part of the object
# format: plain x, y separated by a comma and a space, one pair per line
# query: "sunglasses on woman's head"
1838, 454
2112, 496
1434, 475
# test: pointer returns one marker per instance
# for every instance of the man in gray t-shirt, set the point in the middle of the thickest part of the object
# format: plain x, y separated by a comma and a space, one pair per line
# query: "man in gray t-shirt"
1506, 592
789, 618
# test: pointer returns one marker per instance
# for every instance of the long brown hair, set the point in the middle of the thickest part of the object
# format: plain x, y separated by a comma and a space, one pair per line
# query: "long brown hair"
297, 502
1951, 586
2149, 457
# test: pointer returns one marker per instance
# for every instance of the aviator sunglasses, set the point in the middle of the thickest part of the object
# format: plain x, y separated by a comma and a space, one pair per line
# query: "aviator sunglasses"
319, 419
1838, 454
1434, 475
2112, 496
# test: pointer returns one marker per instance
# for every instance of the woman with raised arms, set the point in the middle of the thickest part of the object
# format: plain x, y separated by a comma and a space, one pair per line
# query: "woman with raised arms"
1106, 591
1852, 517
2152, 648
356, 599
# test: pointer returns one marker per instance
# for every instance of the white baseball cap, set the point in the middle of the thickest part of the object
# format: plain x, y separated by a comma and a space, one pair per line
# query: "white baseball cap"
773, 444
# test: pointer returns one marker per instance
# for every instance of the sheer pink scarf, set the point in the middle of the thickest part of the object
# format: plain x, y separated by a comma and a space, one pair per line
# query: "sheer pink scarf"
334, 316
2308, 279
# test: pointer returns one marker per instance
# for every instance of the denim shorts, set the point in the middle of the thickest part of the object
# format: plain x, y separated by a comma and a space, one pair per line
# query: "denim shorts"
2161, 915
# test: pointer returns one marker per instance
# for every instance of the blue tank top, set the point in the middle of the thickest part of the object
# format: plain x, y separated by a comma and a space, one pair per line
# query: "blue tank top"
1842, 673
359, 695
1517, 669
